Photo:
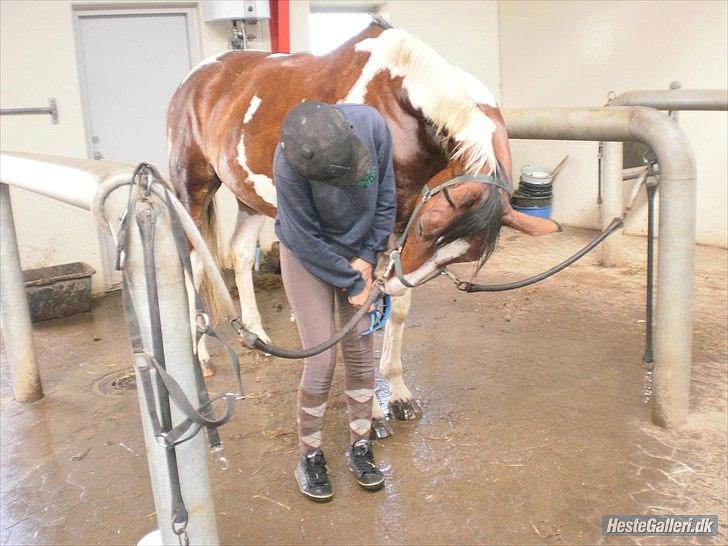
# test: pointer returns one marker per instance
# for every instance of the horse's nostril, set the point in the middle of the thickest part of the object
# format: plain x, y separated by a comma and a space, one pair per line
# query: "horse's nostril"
420, 231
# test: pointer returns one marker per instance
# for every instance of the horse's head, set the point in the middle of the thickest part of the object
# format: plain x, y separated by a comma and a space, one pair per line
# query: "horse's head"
459, 223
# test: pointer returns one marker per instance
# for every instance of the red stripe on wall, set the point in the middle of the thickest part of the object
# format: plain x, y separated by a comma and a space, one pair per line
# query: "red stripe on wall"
280, 31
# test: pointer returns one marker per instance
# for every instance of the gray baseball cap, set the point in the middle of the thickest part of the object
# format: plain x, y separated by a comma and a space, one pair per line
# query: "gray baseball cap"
320, 144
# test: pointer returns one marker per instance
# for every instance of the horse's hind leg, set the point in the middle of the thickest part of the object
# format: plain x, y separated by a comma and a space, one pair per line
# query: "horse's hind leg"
242, 247
401, 402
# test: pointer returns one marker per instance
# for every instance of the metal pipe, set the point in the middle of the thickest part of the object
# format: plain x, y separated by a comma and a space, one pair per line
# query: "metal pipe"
675, 99
17, 329
611, 202
673, 339
51, 109
176, 332
672, 100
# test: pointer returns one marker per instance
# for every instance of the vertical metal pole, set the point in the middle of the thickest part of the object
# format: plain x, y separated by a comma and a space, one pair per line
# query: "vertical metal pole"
17, 329
674, 310
176, 333
612, 204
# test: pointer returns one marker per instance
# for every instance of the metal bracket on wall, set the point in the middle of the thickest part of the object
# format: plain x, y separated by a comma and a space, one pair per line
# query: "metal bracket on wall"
51, 110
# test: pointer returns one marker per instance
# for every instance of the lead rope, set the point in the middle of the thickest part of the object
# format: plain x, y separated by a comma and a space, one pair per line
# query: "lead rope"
649, 179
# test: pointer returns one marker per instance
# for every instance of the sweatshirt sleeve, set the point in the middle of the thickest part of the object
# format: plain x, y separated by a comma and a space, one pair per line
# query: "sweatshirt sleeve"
386, 200
301, 230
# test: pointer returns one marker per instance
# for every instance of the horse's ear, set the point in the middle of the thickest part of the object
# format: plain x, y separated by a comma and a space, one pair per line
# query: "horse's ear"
465, 196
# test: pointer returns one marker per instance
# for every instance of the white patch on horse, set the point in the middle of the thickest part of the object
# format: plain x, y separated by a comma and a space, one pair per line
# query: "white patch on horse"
446, 95
254, 103
262, 184
212, 59
443, 256
276, 55
317, 411
360, 395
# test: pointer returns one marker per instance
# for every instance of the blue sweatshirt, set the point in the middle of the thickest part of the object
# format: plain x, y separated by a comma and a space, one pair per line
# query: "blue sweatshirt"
325, 226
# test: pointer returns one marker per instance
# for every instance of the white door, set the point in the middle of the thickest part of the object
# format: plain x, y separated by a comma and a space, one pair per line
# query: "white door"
130, 66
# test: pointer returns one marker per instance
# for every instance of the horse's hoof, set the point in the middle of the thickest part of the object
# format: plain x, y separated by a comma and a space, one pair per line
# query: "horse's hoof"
405, 410
208, 370
380, 428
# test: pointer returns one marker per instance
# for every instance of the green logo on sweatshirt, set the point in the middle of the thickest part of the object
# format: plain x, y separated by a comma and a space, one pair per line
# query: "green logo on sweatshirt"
368, 178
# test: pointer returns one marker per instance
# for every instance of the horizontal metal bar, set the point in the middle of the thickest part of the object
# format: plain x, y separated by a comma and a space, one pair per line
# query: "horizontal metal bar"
675, 99
51, 109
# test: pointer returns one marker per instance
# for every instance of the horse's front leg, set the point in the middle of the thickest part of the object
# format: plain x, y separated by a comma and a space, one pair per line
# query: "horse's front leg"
242, 246
401, 402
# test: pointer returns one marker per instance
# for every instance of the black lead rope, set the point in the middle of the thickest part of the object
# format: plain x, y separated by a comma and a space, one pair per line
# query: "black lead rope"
254, 342
467, 286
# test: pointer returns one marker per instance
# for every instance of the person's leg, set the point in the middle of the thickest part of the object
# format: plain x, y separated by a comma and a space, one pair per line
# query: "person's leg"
359, 381
359, 389
312, 301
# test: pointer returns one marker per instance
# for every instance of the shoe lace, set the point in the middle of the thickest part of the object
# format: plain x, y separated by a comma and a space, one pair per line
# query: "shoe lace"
363, 460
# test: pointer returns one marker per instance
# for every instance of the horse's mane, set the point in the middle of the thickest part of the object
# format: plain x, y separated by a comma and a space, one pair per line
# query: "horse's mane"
447, 96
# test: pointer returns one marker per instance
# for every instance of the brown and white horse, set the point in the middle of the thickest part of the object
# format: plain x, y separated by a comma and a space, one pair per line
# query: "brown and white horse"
224, 122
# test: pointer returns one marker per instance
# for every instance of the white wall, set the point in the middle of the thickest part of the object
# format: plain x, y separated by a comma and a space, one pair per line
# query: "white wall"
38, 61
572, 53
465, 32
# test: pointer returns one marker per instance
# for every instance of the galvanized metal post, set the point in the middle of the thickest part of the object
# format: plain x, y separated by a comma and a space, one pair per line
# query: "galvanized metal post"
17, 329
173, 310
612, 153
674, 313
82, 182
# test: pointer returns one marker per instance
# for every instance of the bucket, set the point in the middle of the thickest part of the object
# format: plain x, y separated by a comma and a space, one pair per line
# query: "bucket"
58, 290
541, 212
533, 174
534, 192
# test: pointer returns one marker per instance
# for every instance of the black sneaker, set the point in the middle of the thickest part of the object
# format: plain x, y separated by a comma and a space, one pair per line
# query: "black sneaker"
312, 477
361, 463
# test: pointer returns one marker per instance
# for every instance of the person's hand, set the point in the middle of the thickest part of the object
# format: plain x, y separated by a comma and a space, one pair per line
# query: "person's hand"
363, 266
366, 272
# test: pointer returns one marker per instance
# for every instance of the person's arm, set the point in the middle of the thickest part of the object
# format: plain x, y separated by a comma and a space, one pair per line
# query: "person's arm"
302, 232
386, 200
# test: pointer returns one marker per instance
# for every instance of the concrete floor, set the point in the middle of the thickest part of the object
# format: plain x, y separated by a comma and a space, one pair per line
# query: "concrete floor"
533, 423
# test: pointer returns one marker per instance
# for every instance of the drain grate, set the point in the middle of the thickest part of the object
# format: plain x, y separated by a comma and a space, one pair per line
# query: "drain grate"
117, 382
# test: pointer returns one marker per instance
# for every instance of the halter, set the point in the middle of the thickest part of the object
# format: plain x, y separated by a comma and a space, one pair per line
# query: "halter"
426, 193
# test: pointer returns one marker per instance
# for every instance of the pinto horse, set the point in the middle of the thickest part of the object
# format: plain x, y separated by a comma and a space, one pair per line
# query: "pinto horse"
224, 123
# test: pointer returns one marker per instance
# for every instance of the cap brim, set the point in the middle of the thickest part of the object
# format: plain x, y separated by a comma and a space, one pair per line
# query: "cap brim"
361, 161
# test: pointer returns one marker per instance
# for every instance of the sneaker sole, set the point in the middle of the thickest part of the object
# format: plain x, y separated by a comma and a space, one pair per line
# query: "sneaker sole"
315, 498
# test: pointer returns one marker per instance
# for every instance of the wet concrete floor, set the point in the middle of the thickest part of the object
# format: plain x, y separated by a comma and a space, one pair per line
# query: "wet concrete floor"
533, 424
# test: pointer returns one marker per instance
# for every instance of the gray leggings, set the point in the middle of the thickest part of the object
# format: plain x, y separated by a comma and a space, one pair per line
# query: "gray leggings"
313, 302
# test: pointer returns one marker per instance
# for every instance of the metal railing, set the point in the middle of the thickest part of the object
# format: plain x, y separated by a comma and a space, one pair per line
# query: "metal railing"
672, 100
674, 313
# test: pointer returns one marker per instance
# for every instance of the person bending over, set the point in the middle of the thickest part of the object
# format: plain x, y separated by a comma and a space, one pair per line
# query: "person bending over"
336, 209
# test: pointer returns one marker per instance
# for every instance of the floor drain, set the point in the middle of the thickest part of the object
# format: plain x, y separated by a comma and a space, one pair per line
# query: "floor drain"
117, 382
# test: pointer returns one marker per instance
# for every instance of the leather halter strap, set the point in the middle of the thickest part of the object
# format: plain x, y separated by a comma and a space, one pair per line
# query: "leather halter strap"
425, 195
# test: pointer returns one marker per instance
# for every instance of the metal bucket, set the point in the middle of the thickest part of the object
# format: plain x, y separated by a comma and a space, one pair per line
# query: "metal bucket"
533, 174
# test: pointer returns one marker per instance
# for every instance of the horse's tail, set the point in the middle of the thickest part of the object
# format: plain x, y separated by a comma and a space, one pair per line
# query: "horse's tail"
211, 235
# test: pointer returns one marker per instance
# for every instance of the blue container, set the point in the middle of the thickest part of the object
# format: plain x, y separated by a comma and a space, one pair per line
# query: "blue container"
541, 212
